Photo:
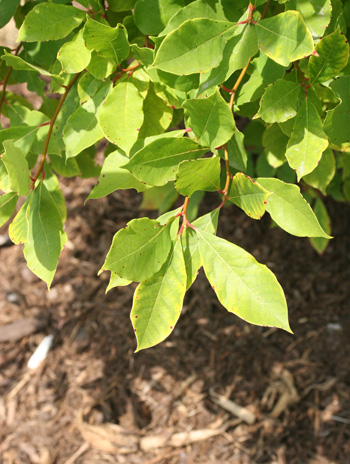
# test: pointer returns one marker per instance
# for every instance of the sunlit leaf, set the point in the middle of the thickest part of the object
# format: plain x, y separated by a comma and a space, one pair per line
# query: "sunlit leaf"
158, 301
243, 286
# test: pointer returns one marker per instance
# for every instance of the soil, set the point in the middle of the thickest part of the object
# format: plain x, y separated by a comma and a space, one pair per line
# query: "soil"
94, 401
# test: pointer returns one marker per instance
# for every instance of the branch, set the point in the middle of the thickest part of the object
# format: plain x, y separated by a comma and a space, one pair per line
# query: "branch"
52, 123
4, 83
185, 221
233, 91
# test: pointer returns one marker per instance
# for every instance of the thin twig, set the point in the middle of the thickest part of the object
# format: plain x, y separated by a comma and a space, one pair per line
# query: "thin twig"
4, 83
234, 89
52, 123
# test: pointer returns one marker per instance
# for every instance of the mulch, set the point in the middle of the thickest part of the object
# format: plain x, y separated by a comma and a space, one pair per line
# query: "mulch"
218, 390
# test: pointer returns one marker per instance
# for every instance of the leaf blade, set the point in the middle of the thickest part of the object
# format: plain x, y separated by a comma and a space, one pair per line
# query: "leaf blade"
243, 286
290, 210
139, 251
158, 302
157, 162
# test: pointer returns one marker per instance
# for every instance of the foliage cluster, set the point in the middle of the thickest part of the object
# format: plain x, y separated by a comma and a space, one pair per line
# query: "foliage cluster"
166, 83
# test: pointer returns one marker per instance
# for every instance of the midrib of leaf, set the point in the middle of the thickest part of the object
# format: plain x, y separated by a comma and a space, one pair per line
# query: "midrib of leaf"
23, 136
307, 132
141, 247
86, 128
207, 122
200, 44
9, 161
8, 200
111, 45
247, 195
166, 157
206, 178
14, 109
159, 295
125, 105
197, 245
255, 298
324, 64
276, 102
41, 223
294, 208
279, 35
76, 16
232, 270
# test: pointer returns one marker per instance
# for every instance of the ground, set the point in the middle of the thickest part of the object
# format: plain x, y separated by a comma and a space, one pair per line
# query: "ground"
94, 401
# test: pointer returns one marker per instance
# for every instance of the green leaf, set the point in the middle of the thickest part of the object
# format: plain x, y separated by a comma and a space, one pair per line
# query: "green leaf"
7, 205
114, 177
322, 175
49, 21
88, 166
139, 250
82, 129
151, 16
337, 121
307, 142
46, 236
263, 71
279, 102
53, 187
19, 227
211, 120
158, 301
158, 161
23, 116
316, 14
17, 167
285, 38
237, 154
202, 174
63, 167
7, 10
243, 286
193, 207
116, 281
190, 245
275, 145
290, 210
159, 198
110, 43
99, 66
121, 5
198, 9
43, 53
248, 195
332, 55
196, 46
88, 86
238, 50
17, 63
320, 243
73, 55
141, 143
157, 115
263, 168
122, 130
181, 83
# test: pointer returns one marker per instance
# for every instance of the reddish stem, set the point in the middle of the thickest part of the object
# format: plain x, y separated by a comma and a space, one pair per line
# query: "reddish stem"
52, 123
6, 78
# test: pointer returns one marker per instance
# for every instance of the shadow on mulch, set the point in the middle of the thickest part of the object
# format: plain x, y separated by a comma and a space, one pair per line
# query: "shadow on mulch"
94, 401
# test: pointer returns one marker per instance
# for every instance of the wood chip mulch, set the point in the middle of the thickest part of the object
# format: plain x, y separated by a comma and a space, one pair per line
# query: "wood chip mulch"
216, 391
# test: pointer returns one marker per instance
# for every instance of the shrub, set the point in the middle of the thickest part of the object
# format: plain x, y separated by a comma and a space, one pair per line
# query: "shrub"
165, 82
